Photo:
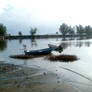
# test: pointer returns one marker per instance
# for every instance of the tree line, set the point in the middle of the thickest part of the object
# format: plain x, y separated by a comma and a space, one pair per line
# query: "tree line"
77, 30
65, 30
32, 32
3, 31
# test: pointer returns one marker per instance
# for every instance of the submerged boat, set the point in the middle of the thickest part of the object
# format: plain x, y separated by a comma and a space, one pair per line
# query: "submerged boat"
42, 51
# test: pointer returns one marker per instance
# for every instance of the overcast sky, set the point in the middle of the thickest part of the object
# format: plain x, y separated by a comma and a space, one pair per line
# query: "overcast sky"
46, 15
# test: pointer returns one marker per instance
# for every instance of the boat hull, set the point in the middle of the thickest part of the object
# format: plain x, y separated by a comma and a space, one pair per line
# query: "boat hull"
39, 52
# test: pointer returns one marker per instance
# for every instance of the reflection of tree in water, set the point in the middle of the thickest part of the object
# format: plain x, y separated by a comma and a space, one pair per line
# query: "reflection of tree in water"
68, 38
20, 41
81, 38
71, 38
57, 39
79, 44
87, 44
64, 39
87, 37
33, 42
3, 45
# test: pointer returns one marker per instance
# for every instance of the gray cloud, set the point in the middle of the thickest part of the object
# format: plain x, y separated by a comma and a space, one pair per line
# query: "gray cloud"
21, 20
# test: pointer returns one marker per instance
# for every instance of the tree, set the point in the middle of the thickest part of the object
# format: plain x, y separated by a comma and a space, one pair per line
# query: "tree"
33, 31
88, 30
20, 33
64, 29
71, 31
2, 30
56, 33
80, 30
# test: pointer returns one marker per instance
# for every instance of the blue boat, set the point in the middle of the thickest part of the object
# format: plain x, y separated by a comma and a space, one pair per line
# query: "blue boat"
39, 52
56, 48
42, 51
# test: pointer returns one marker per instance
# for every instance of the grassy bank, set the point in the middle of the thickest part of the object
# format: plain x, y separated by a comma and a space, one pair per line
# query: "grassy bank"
30, 37
42, 36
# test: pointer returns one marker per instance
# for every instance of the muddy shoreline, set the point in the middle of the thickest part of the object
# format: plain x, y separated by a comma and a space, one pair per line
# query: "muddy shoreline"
30, 80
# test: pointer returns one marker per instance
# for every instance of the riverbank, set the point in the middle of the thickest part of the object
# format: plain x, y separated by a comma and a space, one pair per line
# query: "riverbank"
30, 37
42, 36
31, 80
42, 75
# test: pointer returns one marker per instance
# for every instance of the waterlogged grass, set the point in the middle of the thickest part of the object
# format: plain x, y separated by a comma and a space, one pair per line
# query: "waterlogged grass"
26, 56
66, 58
62, 58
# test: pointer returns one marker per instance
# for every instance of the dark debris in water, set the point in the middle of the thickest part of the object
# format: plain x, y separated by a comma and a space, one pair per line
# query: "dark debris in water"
22, 56
51, 57
62, 58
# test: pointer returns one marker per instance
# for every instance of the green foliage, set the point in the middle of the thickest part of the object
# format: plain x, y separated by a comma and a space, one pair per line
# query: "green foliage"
56, 33
71, 31
80, 30
20, 33
64, 29
33, 31
88, 30
2, 30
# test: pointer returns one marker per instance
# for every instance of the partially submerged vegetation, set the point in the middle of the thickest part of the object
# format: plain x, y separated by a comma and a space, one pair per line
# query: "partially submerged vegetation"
22, 56
64, 58
51, 57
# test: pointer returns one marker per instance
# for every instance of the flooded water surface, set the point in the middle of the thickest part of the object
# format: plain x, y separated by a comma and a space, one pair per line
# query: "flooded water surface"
41, 75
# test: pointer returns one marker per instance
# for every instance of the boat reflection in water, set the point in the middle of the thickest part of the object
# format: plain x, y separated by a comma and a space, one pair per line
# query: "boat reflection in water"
33, 42
20, 41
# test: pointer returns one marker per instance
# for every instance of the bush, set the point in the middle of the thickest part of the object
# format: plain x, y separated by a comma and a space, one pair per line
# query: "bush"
2, 30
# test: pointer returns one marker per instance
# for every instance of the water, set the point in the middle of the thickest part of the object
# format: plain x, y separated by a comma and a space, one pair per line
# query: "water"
56, 76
